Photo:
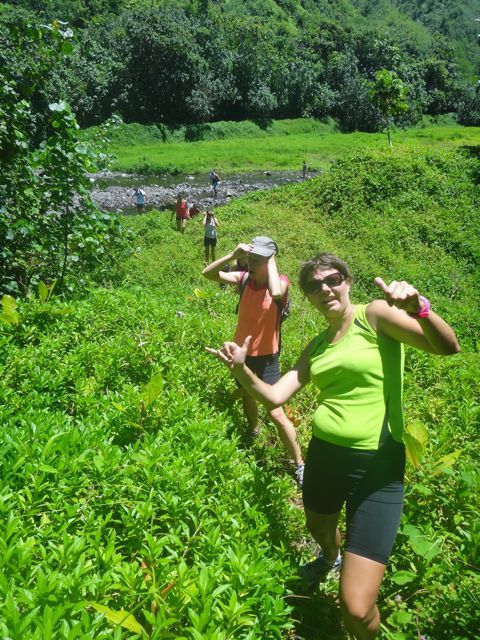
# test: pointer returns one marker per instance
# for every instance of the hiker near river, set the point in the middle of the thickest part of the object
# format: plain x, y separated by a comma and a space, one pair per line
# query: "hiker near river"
356, 456
210, 224
214, 179
263, 292
140, 199
181, 213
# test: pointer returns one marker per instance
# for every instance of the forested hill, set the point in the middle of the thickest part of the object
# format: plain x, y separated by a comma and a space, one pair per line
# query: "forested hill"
190, 61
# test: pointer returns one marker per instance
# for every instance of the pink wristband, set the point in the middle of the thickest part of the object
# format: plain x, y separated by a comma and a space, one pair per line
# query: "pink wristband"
424, 311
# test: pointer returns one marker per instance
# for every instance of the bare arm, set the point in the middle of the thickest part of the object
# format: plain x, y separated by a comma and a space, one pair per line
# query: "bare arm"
233, 356
390, 317
276, 286
214, 270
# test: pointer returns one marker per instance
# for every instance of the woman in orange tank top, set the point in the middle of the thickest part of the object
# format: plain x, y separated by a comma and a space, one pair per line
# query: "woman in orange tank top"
259, 317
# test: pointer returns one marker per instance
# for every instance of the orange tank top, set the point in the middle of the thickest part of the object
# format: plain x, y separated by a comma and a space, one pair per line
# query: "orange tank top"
258, 316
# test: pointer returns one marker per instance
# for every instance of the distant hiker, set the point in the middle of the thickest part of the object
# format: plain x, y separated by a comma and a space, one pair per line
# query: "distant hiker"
264, 294
181, 213
139, 199
214, 180
304, 170
210, 223
356, 456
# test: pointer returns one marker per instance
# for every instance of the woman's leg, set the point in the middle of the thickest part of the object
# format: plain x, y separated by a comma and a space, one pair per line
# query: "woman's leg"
360, 582
206, 253
212, 249
373, 512
251, 411
286, 433
324, 530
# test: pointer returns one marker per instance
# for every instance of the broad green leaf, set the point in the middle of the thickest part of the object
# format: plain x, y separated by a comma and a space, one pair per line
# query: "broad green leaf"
421, 545
446, 462
9, 304
400, 617
121, 617
48, 446
120, 407
403, 577
59, 106
200, 293
42, 292
81, 148
415, 439
10, 314
47, 468
153, 389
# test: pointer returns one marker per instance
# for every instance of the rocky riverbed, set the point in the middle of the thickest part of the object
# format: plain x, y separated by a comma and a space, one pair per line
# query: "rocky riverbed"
114, 191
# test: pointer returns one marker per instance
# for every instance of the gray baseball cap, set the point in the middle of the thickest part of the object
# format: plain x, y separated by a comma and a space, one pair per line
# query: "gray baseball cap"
264, 246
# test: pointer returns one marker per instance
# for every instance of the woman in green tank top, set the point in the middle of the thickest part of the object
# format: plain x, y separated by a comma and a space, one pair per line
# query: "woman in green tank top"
356, 456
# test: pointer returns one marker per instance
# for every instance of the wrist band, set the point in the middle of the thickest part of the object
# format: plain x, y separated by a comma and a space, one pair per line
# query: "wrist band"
424, 311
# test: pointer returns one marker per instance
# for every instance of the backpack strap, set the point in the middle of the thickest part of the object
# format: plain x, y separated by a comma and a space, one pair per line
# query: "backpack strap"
281, 308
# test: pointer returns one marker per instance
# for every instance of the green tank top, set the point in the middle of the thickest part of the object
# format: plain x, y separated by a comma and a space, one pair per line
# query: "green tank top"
360, 378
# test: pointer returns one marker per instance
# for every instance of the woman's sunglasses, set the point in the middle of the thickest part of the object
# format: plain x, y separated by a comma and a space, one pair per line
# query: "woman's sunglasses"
332, 280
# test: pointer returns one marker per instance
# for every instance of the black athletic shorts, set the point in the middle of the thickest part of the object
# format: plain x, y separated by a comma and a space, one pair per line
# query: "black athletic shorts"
210, 242
370, 483
267, 368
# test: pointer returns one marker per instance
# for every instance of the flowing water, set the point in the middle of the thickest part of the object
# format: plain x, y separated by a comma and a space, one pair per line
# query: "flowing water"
114, 191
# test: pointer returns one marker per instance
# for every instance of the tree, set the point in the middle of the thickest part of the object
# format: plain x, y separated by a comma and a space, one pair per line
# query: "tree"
47, 219
389, 94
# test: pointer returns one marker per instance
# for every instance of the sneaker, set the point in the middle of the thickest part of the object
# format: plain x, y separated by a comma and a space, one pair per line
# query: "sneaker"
253, 434
315, 572
299, 469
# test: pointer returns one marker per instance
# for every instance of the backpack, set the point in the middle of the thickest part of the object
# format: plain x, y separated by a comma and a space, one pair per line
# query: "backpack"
284, 308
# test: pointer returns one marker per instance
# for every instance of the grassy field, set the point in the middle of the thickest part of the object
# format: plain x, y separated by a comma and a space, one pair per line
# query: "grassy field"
131, 504
284, 148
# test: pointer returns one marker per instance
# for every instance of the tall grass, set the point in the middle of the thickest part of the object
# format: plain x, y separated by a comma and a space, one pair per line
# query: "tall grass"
134, 134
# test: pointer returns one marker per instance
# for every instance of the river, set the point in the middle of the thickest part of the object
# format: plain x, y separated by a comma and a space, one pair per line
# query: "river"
114, 191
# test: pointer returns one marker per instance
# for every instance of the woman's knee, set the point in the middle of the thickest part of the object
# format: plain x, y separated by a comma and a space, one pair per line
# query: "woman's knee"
358, 609
324, 525
360, 583
278, 416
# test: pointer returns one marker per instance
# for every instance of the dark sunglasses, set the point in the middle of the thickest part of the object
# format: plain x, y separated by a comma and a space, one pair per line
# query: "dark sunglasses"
332, 280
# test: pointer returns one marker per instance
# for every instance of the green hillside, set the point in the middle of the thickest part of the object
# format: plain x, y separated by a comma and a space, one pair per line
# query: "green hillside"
126, 480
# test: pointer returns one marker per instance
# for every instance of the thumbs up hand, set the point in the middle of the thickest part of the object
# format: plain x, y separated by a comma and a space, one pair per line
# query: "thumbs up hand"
400, 294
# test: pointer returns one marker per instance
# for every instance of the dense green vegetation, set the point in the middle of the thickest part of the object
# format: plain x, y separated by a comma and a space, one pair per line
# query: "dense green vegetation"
195, 61
49, 227
130, 503
125, 481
